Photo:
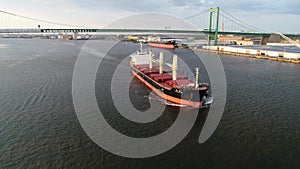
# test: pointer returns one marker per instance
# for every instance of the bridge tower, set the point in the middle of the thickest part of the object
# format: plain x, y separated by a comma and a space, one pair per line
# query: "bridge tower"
211, 11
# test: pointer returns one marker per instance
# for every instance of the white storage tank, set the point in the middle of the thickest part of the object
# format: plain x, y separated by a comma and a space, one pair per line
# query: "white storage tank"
254, 51
291, 55
273, 53
242, 50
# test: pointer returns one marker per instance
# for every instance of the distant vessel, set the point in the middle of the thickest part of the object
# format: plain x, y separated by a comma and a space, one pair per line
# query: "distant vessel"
166, 83
167, 45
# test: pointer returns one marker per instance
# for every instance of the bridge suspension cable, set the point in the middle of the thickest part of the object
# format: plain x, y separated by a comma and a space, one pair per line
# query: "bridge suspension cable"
197, 14
239, 22
200, 19
227, 20
40, 20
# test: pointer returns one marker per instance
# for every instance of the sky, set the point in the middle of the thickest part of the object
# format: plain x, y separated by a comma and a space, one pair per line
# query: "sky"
268, 15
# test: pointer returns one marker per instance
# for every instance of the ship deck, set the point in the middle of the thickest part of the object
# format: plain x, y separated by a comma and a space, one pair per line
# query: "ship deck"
164, 79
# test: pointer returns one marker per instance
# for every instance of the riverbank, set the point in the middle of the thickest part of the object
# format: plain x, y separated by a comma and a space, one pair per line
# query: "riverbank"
281, 56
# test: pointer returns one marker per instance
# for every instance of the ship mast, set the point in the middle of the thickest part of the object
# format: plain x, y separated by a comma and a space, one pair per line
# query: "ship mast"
150, 59
197, 77
141, 47
174, 67
161, 55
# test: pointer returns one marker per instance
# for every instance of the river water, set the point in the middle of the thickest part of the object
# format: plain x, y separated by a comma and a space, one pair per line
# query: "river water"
39, 127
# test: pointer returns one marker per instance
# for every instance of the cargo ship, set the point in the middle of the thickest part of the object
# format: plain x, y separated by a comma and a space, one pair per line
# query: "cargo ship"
166, 83
167, 45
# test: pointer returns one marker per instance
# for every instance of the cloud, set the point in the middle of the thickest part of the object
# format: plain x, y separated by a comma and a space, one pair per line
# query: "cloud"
188, 3
262, 6
102, 12
152, 21
127, 5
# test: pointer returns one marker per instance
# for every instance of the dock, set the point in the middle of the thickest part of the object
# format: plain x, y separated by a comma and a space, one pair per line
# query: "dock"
255, 53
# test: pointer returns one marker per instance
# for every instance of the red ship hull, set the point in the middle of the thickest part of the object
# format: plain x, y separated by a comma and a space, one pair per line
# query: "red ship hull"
161, 45
168, 89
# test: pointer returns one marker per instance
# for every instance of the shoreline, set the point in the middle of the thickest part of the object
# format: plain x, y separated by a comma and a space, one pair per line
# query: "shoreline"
254, 53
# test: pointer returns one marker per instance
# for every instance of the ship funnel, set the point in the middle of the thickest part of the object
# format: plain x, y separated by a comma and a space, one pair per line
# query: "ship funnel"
174, 67
197, 78
161, 56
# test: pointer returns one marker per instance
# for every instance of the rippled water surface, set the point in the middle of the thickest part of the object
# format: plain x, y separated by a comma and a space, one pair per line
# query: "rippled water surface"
39, 128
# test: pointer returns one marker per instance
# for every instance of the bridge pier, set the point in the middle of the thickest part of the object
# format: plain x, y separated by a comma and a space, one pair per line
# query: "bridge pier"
264, 40
75, 34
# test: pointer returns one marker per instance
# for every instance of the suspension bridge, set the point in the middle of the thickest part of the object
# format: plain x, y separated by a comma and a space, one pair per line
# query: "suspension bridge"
212, 22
